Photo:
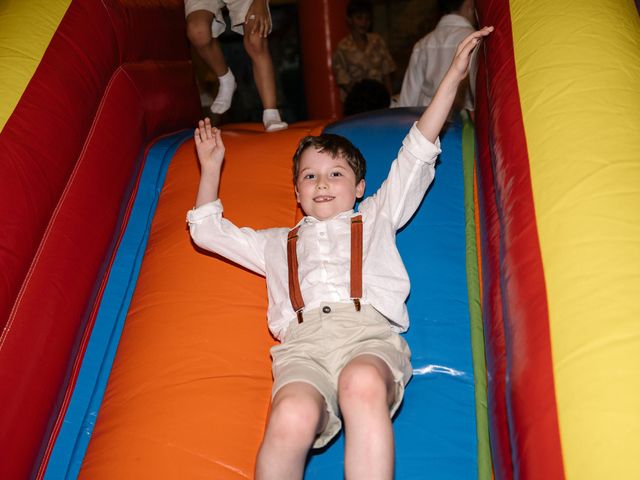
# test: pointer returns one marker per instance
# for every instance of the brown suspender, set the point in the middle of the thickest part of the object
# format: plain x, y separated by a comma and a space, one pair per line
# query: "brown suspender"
297, 302
356, 260
294, 283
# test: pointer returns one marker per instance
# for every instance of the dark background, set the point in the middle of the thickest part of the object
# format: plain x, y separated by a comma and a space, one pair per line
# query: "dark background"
400, 22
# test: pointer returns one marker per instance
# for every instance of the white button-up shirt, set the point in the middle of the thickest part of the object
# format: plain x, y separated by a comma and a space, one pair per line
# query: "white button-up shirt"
324, 247
431, 58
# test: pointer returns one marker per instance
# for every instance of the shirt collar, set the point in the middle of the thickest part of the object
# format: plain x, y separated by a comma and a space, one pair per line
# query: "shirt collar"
454, 20
308, 219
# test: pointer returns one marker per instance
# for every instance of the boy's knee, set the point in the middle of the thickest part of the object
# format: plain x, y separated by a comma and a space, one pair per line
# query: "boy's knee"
295, 418
255, 45
361, 384
199, 34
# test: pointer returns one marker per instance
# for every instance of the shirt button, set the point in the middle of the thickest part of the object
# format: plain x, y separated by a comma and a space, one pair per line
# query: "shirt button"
326, 309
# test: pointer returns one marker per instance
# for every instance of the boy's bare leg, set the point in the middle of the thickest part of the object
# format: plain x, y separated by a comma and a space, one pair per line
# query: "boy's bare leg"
365, 393
298, 414
257, 48
199, 33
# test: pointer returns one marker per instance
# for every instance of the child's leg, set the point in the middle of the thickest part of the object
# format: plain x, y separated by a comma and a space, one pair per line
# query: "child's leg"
199, 33
365, 393
298, 414
257, 48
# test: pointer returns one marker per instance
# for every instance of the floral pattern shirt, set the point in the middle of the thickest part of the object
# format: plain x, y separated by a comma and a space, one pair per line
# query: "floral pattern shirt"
351, 64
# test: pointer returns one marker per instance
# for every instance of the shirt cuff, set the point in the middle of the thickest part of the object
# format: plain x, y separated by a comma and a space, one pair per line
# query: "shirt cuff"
203, 211
417, 144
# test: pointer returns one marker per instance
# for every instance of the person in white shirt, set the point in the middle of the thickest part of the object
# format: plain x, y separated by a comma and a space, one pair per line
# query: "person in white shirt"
337, 288
432, 55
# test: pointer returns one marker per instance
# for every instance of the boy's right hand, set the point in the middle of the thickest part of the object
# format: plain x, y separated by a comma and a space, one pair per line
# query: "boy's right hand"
209, 145
462, 58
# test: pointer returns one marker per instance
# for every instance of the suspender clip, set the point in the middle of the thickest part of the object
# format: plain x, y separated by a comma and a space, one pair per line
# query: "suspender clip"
356, 302
299, 315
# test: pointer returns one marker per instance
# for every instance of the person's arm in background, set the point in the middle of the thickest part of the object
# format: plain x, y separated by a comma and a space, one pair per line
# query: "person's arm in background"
258, 19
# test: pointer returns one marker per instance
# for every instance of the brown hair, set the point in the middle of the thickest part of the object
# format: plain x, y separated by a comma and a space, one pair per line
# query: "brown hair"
334, 145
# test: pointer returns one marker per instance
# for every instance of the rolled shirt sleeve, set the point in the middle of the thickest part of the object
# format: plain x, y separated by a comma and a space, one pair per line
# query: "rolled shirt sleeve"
211, 231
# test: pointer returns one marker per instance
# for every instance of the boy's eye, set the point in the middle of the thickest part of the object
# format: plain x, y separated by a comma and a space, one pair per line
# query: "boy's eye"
309, 176
336, 174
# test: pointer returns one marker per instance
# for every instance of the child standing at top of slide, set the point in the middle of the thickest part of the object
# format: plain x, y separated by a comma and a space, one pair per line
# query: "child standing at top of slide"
337, 288
252, 19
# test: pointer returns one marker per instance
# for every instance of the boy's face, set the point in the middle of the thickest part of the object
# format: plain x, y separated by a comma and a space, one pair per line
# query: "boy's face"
325, 185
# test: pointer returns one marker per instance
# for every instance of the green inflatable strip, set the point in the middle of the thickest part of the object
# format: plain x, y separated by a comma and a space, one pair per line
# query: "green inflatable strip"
485, 466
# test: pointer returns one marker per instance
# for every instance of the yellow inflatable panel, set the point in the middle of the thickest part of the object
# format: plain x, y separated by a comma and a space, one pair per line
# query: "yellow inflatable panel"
26, 28
578, 69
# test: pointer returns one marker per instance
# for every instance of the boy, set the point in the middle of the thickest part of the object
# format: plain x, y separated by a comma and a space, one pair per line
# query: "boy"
340, 354
252, 19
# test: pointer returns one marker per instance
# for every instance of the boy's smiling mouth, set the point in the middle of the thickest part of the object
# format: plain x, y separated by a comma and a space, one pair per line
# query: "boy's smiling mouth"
323, 198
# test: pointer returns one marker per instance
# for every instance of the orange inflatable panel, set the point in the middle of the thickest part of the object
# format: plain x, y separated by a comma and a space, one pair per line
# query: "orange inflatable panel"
180, 371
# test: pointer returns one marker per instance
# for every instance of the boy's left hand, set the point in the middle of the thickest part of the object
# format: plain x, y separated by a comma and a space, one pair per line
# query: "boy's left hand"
462, 58
209, 146
257, 20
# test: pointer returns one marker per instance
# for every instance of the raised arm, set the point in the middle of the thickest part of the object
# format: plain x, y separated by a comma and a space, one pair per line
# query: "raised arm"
434, 117
208, 228
210, 151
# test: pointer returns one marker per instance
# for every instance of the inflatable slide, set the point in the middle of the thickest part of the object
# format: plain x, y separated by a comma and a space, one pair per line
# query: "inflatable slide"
128, 353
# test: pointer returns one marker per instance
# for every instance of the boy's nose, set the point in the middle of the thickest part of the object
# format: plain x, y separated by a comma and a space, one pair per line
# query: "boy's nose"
321, 184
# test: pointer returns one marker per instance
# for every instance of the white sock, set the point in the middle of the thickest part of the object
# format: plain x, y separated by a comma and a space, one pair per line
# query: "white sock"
225, 93
272, 121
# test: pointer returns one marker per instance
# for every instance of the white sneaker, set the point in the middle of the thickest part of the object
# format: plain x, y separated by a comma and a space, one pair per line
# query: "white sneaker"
272, 121
227, 86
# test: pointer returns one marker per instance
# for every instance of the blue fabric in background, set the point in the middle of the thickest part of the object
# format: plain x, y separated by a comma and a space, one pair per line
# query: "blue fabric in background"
435, 428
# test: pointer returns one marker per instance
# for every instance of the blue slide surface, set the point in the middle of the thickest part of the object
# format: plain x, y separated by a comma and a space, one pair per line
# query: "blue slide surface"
436, 426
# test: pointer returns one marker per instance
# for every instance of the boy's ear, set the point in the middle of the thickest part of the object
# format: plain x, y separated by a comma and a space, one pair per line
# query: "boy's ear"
360, 188
297, 194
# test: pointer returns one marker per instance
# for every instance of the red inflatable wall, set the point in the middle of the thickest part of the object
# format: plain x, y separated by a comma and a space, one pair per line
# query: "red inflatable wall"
116, 74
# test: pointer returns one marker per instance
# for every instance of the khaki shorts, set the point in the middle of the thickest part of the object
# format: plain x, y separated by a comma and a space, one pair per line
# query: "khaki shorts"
317, 350
237, 12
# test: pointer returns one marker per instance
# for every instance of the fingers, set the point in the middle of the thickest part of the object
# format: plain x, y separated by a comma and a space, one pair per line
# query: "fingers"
469, 43
475, 37
266, 26
257, 25
207, 129
218, 137
205, 132
199, 131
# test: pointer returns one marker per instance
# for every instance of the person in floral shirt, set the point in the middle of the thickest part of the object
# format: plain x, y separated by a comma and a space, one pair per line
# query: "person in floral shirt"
361, 54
